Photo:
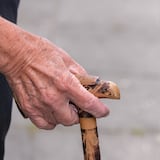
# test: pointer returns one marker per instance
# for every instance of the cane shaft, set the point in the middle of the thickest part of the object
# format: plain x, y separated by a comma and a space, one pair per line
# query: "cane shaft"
89, 135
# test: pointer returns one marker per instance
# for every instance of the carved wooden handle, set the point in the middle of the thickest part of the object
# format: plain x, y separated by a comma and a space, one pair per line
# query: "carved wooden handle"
89, 132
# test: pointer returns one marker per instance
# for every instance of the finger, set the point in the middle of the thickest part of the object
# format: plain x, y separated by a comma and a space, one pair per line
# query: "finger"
85, 100
66, 114
41, 123
41, 117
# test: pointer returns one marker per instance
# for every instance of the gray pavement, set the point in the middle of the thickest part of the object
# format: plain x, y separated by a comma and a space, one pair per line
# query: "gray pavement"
118, 40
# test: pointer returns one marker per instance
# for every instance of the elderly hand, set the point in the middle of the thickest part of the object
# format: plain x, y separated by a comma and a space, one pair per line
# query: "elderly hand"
42, 78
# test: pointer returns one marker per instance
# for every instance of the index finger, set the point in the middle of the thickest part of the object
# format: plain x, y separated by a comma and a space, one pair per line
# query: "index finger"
85, 100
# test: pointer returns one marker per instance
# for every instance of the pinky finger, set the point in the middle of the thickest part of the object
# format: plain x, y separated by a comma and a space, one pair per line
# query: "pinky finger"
42, 123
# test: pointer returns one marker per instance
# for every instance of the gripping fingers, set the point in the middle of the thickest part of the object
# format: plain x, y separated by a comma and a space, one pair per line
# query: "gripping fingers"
66, 114
86, 101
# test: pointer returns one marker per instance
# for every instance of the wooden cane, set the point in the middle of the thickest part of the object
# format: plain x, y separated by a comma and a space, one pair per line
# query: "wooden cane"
88, 125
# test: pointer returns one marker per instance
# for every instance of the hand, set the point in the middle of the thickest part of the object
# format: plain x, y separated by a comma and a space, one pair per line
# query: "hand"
42, 78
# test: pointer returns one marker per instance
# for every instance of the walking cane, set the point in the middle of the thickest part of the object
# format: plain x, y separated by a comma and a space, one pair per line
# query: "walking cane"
88, 125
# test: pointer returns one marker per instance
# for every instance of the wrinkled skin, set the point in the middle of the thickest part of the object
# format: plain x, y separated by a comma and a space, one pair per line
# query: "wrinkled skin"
42, 78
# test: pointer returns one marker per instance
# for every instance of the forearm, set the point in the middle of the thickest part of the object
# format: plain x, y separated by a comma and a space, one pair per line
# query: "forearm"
13, 42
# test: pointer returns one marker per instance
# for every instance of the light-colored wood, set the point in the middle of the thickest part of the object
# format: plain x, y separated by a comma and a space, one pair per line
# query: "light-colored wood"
88, 124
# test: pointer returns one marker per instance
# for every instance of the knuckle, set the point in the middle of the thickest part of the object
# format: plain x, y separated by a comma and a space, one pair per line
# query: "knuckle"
49, 97
45, 126
42, 124
66, 82
68, 121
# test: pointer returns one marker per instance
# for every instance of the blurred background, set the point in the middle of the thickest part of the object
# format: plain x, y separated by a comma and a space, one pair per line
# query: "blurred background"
118, 40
